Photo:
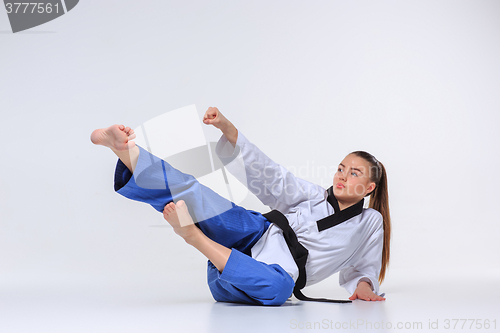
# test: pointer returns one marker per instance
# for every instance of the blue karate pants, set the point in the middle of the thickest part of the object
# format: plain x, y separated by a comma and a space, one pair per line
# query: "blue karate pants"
244, 279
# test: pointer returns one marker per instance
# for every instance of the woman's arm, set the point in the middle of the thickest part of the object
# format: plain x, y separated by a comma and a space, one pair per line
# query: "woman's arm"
273, 184
367, 268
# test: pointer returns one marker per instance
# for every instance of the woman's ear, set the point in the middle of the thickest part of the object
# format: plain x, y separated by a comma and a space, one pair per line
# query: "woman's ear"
370, 188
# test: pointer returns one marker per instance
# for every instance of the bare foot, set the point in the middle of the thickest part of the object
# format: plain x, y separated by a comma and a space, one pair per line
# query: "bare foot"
178, 217
116, 137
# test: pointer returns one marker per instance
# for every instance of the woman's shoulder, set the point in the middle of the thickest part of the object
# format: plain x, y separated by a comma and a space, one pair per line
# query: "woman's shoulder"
373, 217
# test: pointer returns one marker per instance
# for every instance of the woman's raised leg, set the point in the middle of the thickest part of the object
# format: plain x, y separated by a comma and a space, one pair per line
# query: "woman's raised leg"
144, 177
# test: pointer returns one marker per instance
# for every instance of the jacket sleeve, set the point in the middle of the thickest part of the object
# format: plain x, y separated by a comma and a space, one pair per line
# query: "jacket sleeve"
273, 184
367, 268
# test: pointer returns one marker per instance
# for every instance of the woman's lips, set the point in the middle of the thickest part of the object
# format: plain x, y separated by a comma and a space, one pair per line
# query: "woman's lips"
340, 185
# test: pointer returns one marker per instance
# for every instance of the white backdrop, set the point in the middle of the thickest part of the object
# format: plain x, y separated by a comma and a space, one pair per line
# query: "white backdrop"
415, 83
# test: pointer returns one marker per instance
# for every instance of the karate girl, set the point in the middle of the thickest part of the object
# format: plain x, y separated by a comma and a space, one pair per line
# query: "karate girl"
251, 256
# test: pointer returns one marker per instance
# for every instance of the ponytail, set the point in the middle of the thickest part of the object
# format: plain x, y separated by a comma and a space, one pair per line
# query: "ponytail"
379, 200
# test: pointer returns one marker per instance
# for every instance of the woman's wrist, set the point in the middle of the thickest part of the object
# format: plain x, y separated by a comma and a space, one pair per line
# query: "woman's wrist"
363, 284
230, 132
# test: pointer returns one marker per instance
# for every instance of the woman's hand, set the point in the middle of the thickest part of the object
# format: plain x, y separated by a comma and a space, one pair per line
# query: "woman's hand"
214, 117
364, 292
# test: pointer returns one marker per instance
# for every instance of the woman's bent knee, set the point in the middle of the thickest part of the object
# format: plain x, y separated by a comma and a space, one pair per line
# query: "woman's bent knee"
280, 291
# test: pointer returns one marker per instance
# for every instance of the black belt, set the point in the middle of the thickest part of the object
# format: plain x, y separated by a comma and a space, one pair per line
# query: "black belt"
299, 253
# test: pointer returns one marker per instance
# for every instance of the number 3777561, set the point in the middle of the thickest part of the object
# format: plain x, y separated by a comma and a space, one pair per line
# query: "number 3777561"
31, 7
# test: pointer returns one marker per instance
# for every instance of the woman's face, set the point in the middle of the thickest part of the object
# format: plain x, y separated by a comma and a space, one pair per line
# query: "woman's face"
352, 179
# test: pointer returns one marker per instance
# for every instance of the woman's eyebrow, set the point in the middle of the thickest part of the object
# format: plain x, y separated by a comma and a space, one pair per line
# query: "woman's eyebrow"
357, 170
353, 169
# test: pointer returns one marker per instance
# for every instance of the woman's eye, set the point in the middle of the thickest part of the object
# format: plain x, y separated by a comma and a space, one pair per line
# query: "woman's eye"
339, 170
354, 174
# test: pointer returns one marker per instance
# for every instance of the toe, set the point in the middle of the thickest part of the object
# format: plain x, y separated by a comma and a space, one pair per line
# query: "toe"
168, 208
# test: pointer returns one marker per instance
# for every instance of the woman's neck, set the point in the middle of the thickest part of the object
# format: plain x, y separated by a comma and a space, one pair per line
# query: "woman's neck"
344, 205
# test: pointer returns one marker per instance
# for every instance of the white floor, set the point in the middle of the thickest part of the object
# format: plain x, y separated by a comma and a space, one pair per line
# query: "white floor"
417, 304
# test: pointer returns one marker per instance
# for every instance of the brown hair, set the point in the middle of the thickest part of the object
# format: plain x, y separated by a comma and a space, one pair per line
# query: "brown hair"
379, 200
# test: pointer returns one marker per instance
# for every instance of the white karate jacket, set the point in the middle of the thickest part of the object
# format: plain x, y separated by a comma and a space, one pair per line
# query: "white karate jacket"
353, 247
